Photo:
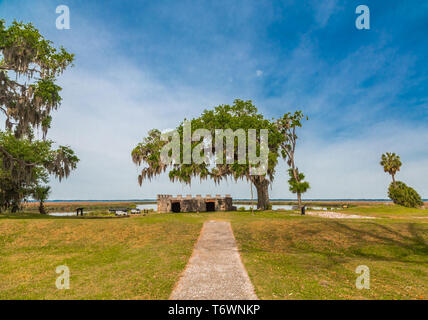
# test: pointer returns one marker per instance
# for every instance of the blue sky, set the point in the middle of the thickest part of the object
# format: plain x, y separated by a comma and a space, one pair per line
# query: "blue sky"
148, 64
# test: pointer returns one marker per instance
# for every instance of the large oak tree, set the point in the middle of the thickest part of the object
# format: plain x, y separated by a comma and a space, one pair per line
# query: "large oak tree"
241, 115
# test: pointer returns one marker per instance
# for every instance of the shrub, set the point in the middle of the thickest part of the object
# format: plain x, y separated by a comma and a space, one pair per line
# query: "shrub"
403, 195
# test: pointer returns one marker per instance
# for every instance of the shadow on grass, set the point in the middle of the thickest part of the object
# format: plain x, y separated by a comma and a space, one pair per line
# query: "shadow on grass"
413, 244
339, 242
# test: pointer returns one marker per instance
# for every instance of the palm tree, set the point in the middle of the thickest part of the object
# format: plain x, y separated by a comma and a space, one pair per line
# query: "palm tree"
298, 186
391, 163
41, 193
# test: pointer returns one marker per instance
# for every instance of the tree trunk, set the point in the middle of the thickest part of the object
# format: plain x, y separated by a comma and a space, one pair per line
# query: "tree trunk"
393, 179
262, 185
296, 177
15, 207
42, 208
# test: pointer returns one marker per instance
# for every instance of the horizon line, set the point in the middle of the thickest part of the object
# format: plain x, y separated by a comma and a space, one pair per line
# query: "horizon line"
238, 199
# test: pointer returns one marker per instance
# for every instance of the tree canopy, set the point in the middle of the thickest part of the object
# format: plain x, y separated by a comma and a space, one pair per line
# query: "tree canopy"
37, 160
33, 62
221, 164
404, 195
29, 65
297, 186
391, 164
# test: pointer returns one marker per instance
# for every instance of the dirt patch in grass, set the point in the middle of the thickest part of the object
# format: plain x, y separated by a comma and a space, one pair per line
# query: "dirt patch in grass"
336, 215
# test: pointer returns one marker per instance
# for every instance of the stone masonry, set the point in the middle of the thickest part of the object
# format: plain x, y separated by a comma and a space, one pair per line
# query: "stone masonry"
168, 203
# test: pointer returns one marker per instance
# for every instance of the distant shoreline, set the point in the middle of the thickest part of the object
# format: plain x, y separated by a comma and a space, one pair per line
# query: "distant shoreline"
234, 200
104, 203
71, 205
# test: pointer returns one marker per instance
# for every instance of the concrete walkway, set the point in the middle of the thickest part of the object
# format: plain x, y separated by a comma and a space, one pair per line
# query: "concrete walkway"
215, 270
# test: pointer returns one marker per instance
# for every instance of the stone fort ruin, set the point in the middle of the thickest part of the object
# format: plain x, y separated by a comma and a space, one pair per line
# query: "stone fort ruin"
168, 203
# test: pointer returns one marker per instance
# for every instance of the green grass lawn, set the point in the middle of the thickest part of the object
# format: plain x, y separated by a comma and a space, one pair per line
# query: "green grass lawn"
131, 258
316, 258
287, 256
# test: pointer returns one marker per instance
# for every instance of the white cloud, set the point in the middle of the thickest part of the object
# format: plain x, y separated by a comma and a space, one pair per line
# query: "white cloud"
324, 10
104, 116
350, 168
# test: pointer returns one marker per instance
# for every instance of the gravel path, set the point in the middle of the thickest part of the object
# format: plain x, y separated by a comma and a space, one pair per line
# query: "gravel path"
215, 270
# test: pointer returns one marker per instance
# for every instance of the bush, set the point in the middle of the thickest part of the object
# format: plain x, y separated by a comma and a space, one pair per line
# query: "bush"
403, 195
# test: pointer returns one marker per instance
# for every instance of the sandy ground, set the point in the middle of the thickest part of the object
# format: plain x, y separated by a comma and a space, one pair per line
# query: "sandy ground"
215, 270
336, 215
